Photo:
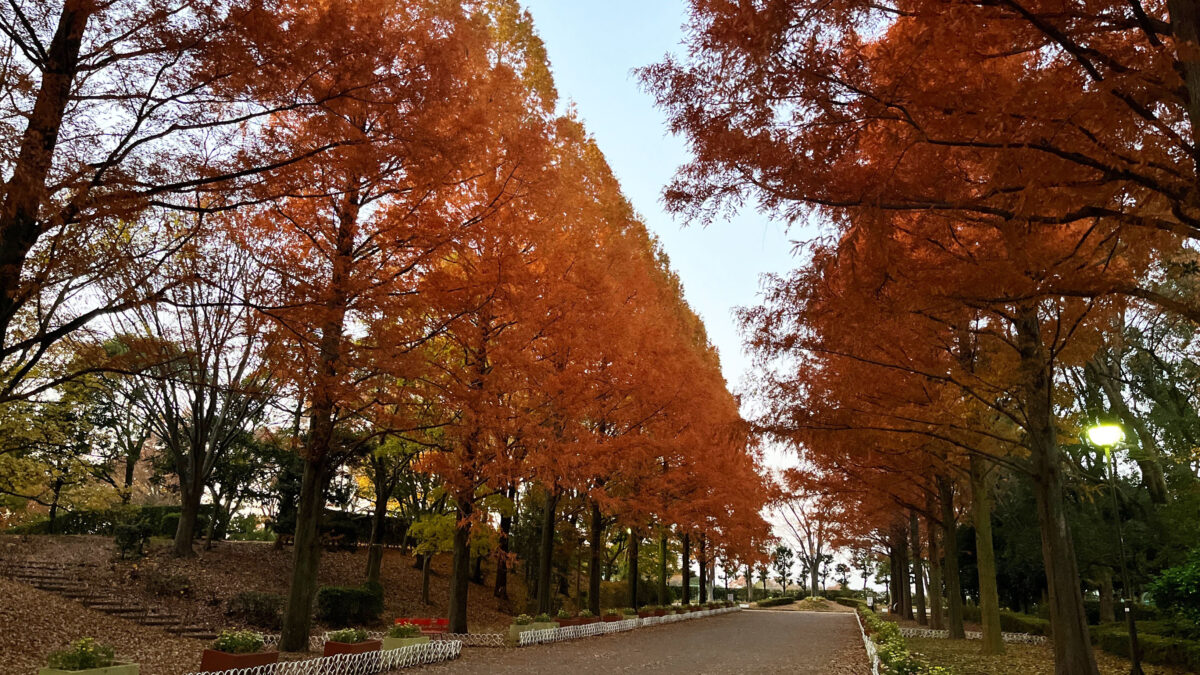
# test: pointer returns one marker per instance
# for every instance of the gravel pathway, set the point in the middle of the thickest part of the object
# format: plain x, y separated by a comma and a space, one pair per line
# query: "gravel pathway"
744, 642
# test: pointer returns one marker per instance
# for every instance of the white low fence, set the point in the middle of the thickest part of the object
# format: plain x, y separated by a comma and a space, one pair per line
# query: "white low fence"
368, 663
869, 644
543, 636
1023, 638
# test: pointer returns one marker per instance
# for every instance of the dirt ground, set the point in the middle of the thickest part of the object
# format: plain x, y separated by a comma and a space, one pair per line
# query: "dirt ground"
38, 622
742, 642
232, 567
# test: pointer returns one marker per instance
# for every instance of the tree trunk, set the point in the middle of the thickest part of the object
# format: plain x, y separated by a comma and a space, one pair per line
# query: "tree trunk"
460, 570
375, 549
306, 555
914, 533
989, 597
131, 460
906, 601
950, 544
189, 512
895, 595
635, 540
936, 610
546, 554
1108, 613
426, 567
702, 561
58, 486
506, 523
594, 568
1185, 30
477, 570
662, 570
1072, 644
687, 570
26, 187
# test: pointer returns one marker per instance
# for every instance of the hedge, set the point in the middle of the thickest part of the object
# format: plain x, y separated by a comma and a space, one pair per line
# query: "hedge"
1011, 622
776, 602
1157, 649
894, 657
340, 606
103, 521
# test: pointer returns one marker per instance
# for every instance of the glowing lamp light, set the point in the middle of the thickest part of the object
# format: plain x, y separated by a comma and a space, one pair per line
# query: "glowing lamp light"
1106, 435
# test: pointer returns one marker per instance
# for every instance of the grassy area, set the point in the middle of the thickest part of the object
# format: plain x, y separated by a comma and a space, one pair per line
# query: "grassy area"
963, 658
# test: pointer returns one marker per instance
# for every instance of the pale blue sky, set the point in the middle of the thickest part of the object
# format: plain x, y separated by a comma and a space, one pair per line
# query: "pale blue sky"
593, 47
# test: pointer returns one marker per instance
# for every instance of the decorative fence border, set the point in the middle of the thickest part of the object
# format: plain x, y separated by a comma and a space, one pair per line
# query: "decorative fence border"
472, 639
869, 644
1024, 638
535, 637
369, 663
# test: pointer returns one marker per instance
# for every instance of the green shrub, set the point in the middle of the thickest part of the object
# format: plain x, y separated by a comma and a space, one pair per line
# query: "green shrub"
1157, 649
350, 635
165, 584
1011, 622
542, 618
238, 642
169, 525
776, 602
629, 611
345, 605
851, 602
563, 613
1177, 589
262, 610
1014, 622
893, 652
523, 620
82, 654
586, 613
404, 630
130, 539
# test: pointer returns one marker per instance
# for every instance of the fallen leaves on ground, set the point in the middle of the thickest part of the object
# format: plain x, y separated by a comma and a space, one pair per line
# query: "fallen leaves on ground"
963, 657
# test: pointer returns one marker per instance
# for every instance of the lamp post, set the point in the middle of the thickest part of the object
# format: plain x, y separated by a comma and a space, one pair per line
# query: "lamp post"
1108, 436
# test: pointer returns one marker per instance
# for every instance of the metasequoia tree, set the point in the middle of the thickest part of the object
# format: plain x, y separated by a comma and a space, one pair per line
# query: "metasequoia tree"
1029, 156
363, 222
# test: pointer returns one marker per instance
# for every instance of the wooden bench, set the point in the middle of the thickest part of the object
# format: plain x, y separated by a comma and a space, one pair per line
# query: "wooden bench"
427, 625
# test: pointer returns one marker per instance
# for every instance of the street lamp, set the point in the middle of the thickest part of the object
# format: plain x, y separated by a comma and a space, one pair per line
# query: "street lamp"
1108, 436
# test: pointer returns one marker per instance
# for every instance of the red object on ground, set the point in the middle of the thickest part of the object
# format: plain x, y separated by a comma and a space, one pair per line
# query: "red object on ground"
332, 648
427, 625
213, 661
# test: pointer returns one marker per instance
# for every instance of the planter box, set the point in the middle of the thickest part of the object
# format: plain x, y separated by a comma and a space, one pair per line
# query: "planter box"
514, 631
213, 661
333, 648
610, 619
647, 613
585, 620
660, 612
115, 669
571, 621
398, 643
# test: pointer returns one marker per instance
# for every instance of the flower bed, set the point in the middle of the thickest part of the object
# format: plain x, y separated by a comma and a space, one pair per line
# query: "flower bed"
367, 663
887, 650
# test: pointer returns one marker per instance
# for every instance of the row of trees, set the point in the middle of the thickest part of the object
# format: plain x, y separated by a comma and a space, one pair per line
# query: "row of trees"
357, 232
1011, 259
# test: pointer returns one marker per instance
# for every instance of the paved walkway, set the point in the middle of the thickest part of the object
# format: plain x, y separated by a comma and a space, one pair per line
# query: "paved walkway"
752, 641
